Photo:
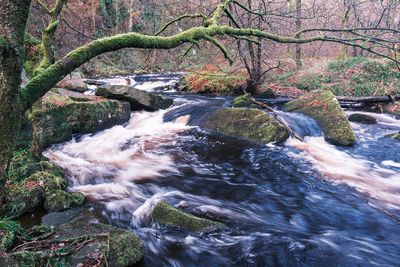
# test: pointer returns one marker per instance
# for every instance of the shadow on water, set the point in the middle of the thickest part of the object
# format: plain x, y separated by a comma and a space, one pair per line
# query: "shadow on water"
285, 205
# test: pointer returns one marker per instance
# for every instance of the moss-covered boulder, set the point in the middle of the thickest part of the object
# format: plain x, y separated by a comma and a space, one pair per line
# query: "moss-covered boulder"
253, 125
62, 113
167, 215
23, 259
7, 239
30, 185
82, 242
362, 118
25, 199
322, 106
59, 200
244, 101
9, 230
139, 99
395, 136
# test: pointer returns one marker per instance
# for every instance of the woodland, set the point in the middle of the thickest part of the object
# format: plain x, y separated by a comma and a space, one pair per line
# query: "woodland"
199, 133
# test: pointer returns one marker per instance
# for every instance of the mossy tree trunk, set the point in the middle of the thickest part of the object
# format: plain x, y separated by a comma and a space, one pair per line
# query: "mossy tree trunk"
46, 47
12, 27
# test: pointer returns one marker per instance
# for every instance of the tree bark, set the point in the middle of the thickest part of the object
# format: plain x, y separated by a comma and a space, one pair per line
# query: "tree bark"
299, 63
12, 29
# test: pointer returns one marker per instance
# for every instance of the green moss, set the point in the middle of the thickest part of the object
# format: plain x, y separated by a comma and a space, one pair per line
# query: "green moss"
343, 65
9, 229
59, 200
125, 249
49, 181
64, 113
250, 124
325, 109
244, 101
25, 259
30, 179
395, 136
170, 216
358, 76
312, 81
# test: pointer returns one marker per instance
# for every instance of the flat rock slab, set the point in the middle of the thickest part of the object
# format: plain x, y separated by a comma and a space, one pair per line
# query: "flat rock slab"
62, 113
139, 100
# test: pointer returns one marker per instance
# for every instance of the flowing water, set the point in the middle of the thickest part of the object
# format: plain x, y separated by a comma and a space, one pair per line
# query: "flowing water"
293, 204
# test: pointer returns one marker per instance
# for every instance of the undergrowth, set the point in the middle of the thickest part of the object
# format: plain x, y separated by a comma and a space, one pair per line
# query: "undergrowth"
212, 80
357, 76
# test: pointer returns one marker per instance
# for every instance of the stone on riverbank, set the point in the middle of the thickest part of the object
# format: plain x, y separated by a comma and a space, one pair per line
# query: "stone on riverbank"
82, 242
362, 118
253, 125
139, 100
322, 106
63, 113
167, 215
33, 183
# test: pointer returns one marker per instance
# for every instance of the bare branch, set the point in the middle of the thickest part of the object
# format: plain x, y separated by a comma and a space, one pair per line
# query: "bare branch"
221, 47
197, 15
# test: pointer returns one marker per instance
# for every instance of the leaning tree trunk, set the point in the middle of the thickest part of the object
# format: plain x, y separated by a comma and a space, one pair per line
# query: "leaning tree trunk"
12, 29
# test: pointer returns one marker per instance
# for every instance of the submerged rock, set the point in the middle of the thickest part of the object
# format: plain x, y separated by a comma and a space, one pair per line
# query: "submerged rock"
82, 242
362, 118
63, 113
322, 106
250, 124
244, 101
139, 100
167, 215
395, 136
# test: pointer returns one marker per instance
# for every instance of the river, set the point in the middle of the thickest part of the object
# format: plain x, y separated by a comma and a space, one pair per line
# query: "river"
292, 204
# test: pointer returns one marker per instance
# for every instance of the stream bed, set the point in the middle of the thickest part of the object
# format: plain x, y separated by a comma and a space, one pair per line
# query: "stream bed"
292, 204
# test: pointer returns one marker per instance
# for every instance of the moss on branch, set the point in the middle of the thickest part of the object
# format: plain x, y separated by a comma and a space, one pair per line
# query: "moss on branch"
40, 84
218, 13
50, 76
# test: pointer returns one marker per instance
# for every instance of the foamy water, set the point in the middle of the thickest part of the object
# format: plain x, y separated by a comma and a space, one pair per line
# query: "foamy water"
272, 203
106, 166
339, 167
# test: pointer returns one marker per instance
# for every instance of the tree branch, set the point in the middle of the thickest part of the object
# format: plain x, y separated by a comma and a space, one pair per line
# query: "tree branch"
197, 15
221, 47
